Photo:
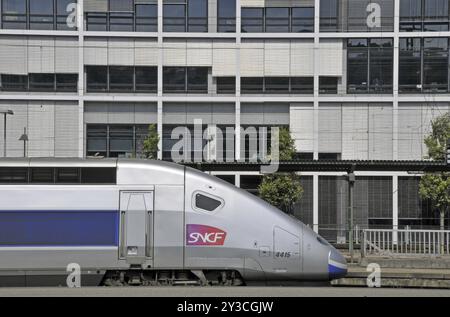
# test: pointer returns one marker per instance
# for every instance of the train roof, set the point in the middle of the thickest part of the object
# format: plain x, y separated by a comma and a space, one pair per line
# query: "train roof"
57, 162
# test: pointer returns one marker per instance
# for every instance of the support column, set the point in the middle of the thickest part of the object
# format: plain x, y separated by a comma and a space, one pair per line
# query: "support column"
81, 127
160, 79
395, 80
316, 77
237, 135
395, 208
316, 203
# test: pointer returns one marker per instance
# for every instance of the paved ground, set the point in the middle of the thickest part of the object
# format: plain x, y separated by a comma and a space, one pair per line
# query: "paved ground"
224, 292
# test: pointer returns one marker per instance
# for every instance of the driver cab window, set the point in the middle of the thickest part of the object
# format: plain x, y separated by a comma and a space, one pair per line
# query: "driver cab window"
206, 203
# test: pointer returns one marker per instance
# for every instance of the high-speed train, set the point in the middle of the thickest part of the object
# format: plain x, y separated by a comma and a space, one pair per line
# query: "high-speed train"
141, 222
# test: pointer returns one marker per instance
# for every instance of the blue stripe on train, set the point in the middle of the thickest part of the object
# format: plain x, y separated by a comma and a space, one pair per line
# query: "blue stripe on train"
59, 228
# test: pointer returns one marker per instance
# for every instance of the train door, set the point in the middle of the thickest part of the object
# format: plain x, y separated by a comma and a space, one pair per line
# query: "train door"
136, 227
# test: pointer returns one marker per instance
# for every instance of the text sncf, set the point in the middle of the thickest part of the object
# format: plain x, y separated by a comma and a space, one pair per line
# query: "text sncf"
204, 235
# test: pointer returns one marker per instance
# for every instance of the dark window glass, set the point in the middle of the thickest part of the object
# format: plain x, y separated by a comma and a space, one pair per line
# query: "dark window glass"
302, 20
97, 78
68, 175
42, 175
93, 175
329, 15
121, 5
277, 85
330, 156
197, 16
146, 17
14, 14
121, 21
96, 21
66, 82
227, 178
251, 183
226, 85
357, 65
42, 82
381, 61
277, 20
435, 15
174, 18
226, 16
252, 85
410, 74
121, 78
15, 175
302, 85
97, 140
174, 79
121, 141
435, 64
206, 203
328, 85
197, 79
411, 15
146, 79
62, 14
14, 82
252, 20
41, 14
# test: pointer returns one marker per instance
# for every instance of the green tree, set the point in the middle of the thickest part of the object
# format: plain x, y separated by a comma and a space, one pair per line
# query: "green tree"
282, 190
151, 143
436, 186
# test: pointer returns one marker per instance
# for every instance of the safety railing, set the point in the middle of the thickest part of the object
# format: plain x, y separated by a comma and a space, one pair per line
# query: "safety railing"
405, 242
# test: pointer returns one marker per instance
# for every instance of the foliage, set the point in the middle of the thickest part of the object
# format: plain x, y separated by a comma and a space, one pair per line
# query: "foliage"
437, 140
282, 190
151, 143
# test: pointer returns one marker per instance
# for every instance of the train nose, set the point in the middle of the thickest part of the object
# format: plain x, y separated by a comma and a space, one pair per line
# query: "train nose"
337, 265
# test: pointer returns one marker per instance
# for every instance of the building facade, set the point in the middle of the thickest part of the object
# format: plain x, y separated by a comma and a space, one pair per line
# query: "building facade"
352, 79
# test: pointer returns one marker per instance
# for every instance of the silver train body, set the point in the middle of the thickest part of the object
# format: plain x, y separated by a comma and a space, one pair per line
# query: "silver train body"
157, 223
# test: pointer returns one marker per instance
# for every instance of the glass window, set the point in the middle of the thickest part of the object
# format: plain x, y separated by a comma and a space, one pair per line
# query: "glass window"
411, 15
174, 79
277, 20
197, 16
97, 78
174, 18
67, 82
17, 175
42, 82
14, 82
277, 85
252, 20
68, 175
302, 20
381, 61
328, 85
435, 15
329, 15
41, 14
226, 85
95, 175
226, 16
197, 79
121, 5
97, 140
62, 13
357, 65
146, 17
146, 79
435, 64
96, 21
121, 78
14, 14
410, 73
252, 85
121, 21
121, 141
302, 85
42, 175
206, 203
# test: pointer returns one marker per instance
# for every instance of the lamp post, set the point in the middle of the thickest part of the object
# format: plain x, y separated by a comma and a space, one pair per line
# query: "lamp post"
5, 113
24, 138
351, 184
448, 152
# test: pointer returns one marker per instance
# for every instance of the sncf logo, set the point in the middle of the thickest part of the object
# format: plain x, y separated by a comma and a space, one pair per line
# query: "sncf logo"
204, 235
